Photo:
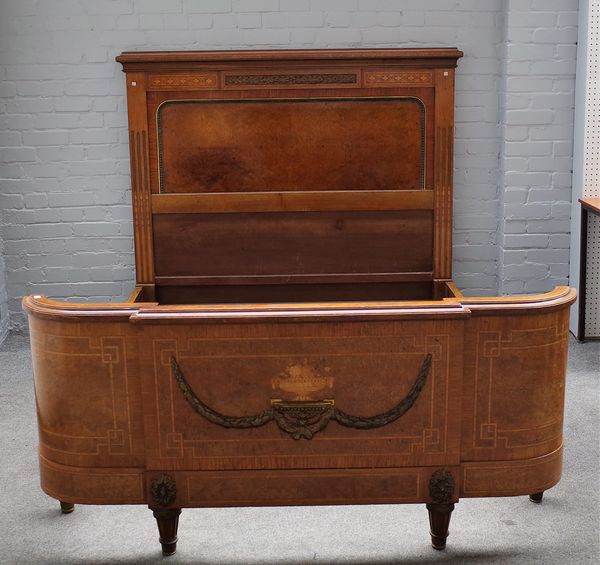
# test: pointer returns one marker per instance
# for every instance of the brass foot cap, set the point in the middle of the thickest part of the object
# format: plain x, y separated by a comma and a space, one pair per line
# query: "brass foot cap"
169, 549
437, 543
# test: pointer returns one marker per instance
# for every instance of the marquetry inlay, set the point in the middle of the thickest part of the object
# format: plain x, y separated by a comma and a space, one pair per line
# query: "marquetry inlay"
140, 189
183, 82
496, 428
103, 358
301, 380
443, 204
386, 78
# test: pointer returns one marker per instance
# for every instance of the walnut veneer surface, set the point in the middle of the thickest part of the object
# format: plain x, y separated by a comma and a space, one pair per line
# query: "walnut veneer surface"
295, 336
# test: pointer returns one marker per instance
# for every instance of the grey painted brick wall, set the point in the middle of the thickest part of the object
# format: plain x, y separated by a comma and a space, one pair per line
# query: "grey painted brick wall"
65, 173
537, 116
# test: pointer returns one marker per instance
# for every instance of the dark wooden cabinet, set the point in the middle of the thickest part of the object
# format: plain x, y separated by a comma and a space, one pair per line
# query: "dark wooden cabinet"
295, 336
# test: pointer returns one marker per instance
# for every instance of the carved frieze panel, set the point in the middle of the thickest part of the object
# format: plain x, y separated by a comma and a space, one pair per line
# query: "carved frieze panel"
299, 79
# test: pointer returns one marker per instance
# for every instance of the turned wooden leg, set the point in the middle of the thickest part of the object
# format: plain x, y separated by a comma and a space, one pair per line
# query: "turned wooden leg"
536, 497
66, 507
167, 521
439, 520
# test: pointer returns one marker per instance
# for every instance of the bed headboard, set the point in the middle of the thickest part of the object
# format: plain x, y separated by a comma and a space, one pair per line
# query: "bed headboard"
294, 166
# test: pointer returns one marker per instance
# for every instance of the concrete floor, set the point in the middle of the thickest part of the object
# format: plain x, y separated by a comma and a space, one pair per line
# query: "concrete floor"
563, 529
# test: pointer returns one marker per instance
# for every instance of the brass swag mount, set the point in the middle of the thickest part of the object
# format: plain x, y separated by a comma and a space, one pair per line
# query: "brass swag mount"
301, 419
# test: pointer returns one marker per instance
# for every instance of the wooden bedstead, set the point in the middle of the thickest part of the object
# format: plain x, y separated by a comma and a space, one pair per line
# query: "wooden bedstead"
295, 336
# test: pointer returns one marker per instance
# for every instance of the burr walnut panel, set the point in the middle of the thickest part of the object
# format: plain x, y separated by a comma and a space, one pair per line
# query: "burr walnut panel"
284, 144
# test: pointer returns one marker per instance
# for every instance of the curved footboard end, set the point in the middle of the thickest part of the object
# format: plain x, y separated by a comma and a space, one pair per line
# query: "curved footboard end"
88, 402
515, 365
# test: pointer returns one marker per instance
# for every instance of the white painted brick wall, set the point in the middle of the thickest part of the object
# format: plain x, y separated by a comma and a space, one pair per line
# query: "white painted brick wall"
536, 158
65, 190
